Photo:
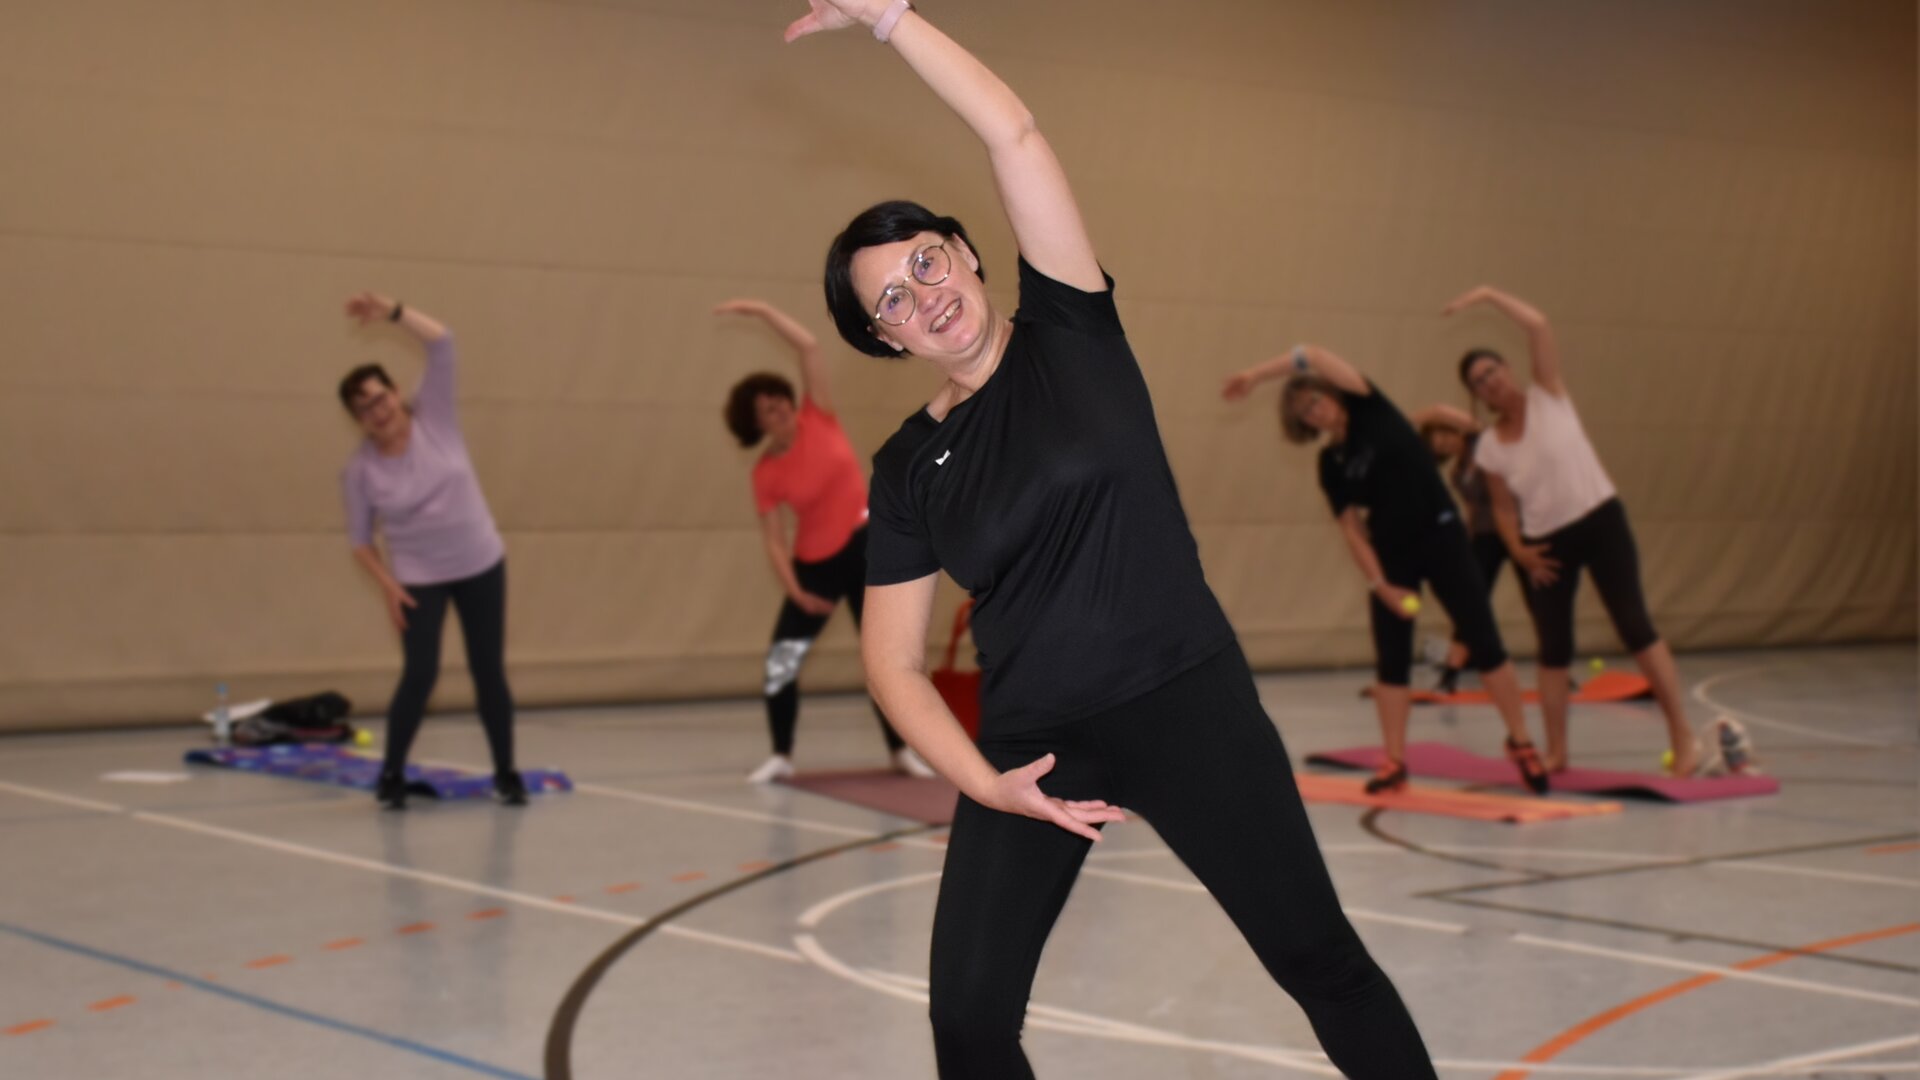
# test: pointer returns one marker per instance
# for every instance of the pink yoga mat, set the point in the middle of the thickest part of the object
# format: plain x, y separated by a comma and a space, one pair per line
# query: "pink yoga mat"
910, 797
1452, 763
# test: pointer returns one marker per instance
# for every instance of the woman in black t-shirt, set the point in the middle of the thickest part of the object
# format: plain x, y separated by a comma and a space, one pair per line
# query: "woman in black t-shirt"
1036, 479
1402, 528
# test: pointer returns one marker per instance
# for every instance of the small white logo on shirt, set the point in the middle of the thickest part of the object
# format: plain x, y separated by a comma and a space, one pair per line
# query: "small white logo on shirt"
942, 459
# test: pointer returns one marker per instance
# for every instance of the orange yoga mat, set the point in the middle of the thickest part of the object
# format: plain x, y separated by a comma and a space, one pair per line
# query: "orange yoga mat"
1447, 802
1603, 689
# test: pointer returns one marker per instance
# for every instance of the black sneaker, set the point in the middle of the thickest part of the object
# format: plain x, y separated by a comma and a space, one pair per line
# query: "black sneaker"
391, 792
509, 789
1449, 682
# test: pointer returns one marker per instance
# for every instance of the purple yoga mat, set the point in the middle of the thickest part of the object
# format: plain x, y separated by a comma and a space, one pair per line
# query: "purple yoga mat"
928, 800
1452, 763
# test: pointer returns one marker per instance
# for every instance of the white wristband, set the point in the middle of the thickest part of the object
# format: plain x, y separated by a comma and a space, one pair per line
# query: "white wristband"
883, 29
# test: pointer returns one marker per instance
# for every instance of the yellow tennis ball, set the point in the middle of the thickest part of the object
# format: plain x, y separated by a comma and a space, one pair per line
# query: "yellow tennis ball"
1666, 759
1410, 604
363, 737
1597, 664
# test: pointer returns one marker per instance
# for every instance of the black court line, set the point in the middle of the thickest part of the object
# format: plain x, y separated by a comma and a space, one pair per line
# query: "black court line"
559, 1052
1458, 894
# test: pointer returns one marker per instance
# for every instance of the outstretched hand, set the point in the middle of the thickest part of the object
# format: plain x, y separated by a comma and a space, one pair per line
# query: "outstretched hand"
831, 15
1464, 300
366, 307
740, 307
1238, 386
1017, 791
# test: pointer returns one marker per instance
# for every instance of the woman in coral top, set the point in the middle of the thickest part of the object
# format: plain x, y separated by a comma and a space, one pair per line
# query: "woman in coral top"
808, 467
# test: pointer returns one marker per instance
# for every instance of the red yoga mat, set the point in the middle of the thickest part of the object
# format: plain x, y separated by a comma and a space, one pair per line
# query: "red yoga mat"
1452, 763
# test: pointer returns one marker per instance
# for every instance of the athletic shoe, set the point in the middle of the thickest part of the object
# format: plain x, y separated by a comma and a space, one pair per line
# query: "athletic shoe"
1449, 682
391, 792
906, 761
1527, 760
509, 788
777, 767
1391, 777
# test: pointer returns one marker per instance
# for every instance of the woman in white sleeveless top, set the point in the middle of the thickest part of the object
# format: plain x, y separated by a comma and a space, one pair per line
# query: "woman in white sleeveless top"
1568, 519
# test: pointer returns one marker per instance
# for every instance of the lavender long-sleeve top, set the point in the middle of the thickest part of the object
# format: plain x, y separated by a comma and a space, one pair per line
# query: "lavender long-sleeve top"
427, 501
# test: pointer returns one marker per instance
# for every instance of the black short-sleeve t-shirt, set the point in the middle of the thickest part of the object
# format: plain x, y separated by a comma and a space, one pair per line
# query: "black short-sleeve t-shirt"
1047, 495
1384, 466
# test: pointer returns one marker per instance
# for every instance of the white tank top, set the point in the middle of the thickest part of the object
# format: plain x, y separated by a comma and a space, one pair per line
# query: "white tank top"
1551, 469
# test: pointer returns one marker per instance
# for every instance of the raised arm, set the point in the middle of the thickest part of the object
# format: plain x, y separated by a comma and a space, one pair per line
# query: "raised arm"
1545, 351
366, 307
1033, 188
435, 397
1449, 415
893, 647
1302, 360
806, 348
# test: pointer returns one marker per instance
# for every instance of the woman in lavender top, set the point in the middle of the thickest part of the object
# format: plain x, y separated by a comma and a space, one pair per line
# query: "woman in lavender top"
412, 479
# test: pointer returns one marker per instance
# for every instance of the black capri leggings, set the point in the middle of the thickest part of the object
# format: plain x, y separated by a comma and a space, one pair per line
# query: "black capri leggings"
1198, 758
1442, 557
1602, 543
481, 601
1490, 555
844, 573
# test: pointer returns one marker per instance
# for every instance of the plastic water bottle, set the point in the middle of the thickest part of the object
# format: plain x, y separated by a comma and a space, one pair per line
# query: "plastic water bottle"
222, 719
1733, 745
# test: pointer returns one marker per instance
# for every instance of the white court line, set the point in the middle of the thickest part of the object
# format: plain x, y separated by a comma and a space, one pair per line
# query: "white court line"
1700, 694
1775, 1068
1808, 871
426, 877
65, 800
1724, 972
1073, 1023
1356, 914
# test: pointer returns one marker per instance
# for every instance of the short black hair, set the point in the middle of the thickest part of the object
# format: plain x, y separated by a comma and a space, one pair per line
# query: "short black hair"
739, 413
1473, 357
882, 223
357, 378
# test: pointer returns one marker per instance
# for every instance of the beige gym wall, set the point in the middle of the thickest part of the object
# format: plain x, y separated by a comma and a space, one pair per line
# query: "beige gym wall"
1714, 200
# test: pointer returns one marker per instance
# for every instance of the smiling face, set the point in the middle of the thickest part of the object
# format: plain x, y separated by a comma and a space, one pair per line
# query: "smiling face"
1491, 382
377, 408
930, 284
777, 417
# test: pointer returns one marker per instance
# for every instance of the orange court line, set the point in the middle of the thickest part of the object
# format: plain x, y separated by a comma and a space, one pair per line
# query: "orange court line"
487, 913
344, 943
112, 1003
269, 961
888, 846
1890, 849
623, 887
564, 900
29, 1027
695, 875
753, 867
1553, 1047
415, 928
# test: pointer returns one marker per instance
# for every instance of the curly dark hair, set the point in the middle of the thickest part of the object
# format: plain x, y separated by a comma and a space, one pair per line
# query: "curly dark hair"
354, 380
738, 411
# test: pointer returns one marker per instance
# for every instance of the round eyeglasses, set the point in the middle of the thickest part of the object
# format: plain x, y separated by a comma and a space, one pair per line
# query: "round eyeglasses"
930, 266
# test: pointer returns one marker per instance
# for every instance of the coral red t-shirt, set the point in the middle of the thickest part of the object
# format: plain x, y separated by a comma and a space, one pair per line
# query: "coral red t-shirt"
819, 477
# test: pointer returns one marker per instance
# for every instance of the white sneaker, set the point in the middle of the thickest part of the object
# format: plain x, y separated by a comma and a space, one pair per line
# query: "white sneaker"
777, 767
906, 761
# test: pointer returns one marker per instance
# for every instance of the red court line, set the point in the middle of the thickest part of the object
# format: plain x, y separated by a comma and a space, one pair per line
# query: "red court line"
753, 867
1890, 849
565, 900
487, 913
344, 943
881, 848
29, 1027
270, 961
623, 887
112, 1003
415, 928
1553, 1047
695, 875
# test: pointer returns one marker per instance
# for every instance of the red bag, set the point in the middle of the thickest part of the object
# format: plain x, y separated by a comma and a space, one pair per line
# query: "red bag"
961, 689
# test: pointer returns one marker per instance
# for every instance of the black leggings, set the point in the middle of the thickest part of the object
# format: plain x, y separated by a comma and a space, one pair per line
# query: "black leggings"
481, 601
1601, 542
844, 573
1198, 758
1442, 557
1490, 554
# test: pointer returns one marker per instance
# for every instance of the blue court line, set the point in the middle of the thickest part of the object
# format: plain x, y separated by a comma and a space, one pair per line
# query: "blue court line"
444, 1056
